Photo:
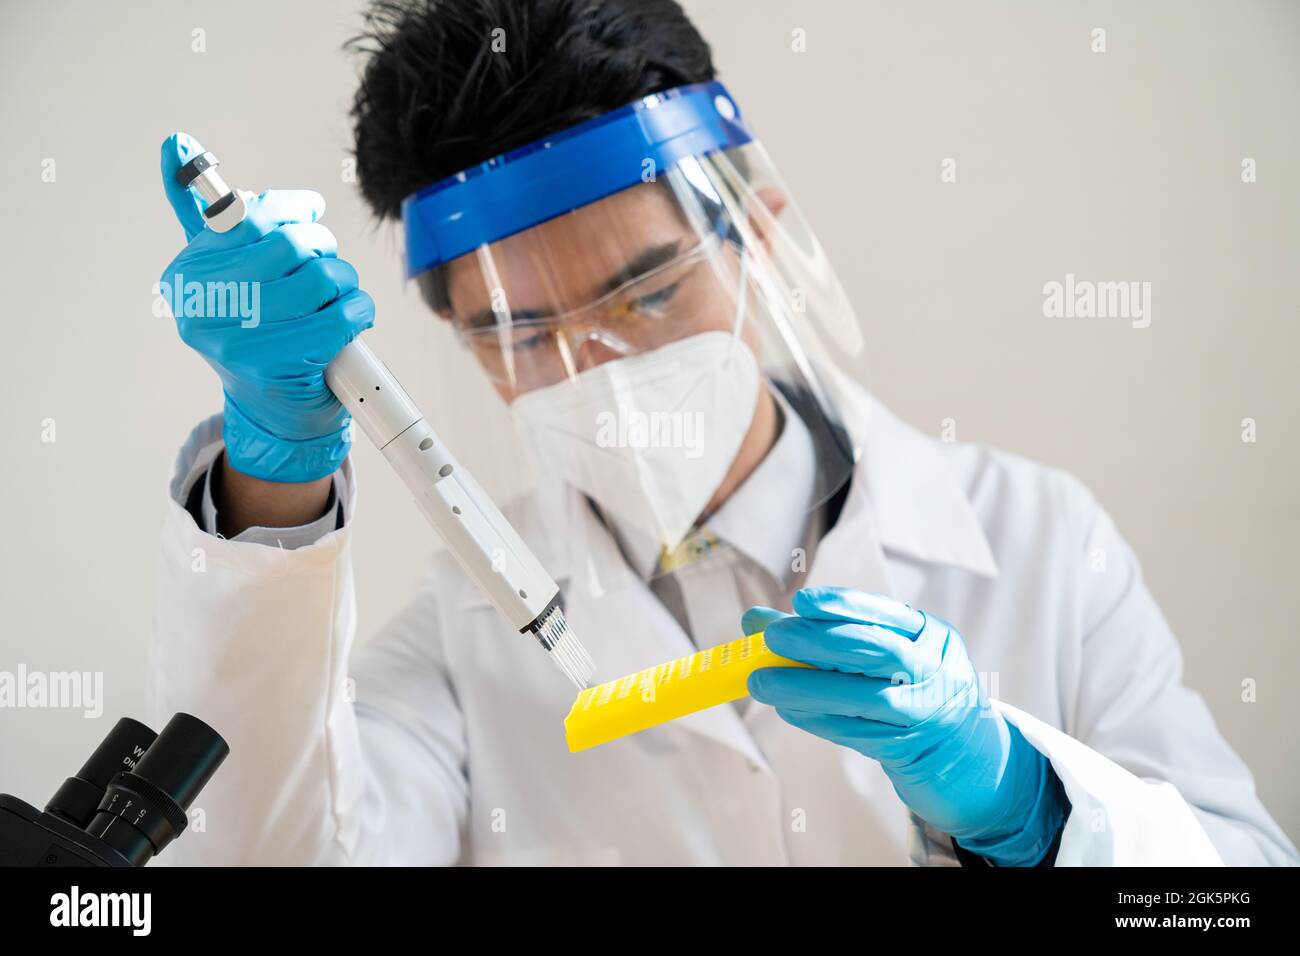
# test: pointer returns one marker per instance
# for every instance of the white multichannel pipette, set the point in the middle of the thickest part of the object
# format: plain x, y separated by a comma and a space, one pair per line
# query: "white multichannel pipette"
487, 547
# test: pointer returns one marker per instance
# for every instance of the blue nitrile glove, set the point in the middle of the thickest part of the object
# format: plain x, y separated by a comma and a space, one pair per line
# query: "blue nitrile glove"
294, 305
953, 759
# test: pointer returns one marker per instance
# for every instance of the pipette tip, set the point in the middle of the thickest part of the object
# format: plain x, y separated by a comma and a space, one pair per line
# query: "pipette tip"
564, 648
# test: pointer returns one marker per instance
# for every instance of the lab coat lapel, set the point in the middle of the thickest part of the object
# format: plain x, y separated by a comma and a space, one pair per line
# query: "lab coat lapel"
907, 498
850, 555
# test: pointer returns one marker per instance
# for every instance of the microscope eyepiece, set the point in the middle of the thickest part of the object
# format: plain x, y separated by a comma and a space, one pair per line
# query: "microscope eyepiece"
144, 809
78, 798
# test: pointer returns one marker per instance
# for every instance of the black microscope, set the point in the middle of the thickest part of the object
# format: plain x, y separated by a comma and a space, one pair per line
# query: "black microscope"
125, 805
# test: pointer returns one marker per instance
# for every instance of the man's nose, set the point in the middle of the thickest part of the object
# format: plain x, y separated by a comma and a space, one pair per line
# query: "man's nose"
592, 351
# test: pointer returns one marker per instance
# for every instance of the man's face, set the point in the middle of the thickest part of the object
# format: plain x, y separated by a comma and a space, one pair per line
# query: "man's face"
618, 277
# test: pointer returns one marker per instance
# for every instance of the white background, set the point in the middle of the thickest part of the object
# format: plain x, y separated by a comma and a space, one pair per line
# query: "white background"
1116, 166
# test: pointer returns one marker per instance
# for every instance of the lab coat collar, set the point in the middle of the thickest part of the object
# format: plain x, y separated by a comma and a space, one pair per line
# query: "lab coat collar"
904, 479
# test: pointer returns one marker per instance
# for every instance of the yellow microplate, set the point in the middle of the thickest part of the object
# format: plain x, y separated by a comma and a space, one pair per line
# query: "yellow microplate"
668, 691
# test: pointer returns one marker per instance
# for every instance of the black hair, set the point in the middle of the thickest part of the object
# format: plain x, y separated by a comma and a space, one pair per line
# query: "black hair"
436, 98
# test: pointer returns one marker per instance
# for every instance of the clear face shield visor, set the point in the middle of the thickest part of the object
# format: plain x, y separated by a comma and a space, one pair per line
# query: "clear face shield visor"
658, 317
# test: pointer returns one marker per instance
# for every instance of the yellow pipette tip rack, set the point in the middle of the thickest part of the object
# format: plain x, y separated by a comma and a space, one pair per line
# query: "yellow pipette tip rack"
667, 691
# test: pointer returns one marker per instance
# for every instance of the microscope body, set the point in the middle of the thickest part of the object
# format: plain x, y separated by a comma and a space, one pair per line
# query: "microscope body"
31, 837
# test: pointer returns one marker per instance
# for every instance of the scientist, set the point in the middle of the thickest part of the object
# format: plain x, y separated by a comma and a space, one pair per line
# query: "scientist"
588, 211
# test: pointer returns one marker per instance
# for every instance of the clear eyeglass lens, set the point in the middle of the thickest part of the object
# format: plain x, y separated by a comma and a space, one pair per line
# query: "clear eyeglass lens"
642, 314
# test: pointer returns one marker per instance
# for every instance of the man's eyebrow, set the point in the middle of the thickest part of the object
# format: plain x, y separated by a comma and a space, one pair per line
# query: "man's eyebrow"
644, 261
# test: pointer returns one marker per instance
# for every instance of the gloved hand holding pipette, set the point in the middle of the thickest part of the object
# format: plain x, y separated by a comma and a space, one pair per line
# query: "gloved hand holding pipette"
295, 384
282, 423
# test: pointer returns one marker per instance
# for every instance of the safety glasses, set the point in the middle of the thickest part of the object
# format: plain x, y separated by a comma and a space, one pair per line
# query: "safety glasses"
524, 350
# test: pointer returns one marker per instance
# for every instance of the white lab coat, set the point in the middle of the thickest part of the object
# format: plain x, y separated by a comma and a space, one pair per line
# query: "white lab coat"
454, 748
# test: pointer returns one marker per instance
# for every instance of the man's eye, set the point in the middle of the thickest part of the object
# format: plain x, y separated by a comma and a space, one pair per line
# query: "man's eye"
656, 299
529, 342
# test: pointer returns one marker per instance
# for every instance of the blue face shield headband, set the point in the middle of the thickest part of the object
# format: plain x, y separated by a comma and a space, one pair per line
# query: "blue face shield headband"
566, 171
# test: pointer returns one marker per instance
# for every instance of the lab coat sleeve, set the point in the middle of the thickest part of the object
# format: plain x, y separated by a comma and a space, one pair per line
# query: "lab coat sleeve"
328, 764
1150, 780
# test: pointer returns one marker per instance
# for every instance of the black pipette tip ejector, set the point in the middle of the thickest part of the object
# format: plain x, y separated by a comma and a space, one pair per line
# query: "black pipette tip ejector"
225, 209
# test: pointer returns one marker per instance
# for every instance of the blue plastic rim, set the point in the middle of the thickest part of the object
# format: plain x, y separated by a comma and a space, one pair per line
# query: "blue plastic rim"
566, 171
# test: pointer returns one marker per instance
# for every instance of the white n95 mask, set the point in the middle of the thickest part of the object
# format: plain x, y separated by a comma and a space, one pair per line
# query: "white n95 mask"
651, 436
